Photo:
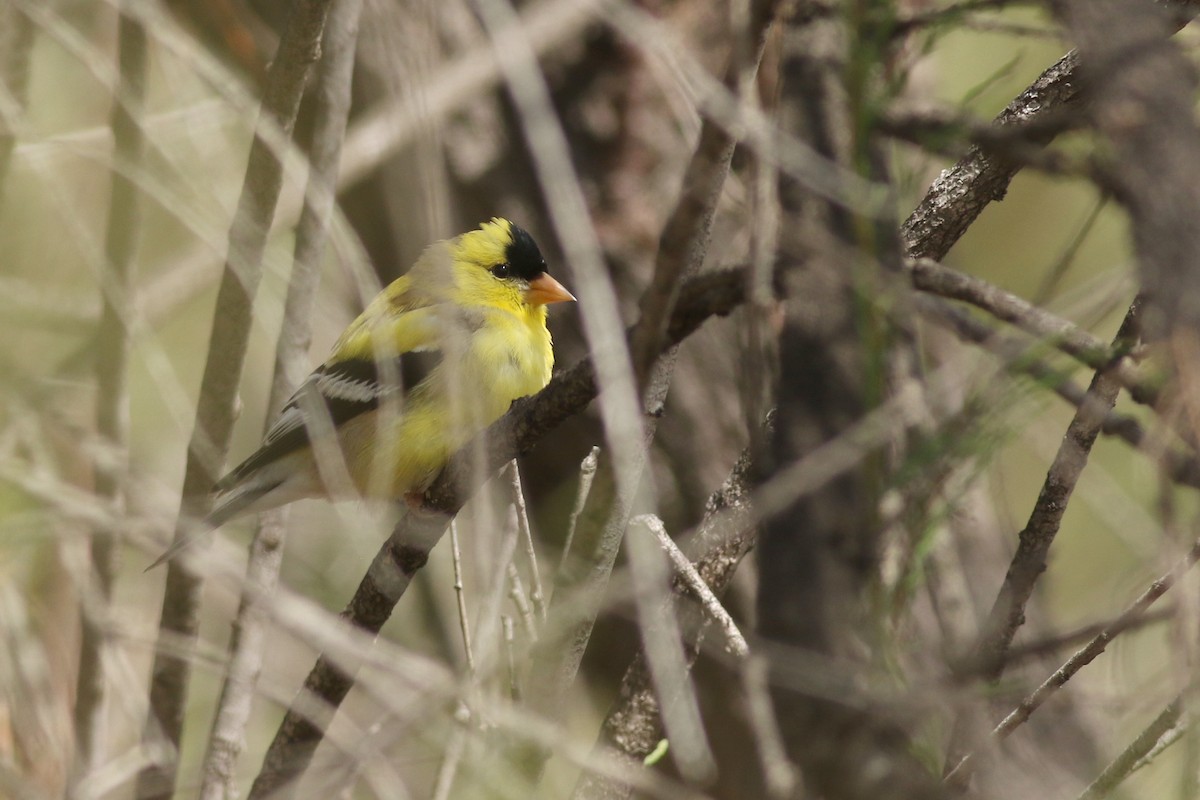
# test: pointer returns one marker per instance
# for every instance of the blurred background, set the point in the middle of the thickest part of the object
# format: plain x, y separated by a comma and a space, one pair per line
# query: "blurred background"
434, 147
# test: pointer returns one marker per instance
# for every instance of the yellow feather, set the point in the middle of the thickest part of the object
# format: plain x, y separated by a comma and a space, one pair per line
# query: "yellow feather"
495, 348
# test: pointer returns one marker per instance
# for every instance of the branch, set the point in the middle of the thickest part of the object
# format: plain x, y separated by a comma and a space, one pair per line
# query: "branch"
1142, 88
16, 43
332, 109
1080, 659
406, 551
956, 199
1029, 562
959, 195
112, 382
632, 727
689, 573
1124, 764
298, 49
684, 239
1181, 468
929, 276
112, 377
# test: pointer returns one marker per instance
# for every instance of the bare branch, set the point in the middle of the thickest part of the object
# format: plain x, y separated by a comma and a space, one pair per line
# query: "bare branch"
663, 648
464, 619
332, 91
1141, 86
632, 727
298, 49
684, 239
929, 276
112, 375
1136, 610
16, 43
1181, 468
587, 474
539, 595
1146, 741
1029, 562
736, 643
959, 195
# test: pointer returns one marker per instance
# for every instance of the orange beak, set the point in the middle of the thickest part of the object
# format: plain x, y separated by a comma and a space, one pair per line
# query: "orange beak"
544, 290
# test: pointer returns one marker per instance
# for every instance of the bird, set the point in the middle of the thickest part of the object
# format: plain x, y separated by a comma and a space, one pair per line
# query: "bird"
437, 356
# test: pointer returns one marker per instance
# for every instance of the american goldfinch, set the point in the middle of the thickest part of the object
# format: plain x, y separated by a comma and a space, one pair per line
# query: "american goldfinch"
437, 356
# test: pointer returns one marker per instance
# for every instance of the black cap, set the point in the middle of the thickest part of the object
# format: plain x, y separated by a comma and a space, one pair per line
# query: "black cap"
524, 259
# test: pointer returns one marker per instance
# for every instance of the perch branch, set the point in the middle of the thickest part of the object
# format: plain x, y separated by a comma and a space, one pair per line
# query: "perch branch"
405, 552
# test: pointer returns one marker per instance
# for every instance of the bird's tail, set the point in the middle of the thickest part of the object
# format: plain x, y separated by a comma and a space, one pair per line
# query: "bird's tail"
227, 505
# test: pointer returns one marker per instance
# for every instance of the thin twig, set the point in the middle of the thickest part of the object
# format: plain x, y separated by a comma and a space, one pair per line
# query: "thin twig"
1029, 561
514, 682
215, 410
666, 659
736, 643
112, 375
332, 88
1051, 644
1081, 658
587, 474
1169, 738
1131, 756
632, 727
1181, 468
930, 276
516, 592
454, 753
538, 595
464, 621
779, 772
489, 636
16, 44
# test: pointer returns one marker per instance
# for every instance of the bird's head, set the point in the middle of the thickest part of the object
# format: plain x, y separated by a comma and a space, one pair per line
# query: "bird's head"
499, 264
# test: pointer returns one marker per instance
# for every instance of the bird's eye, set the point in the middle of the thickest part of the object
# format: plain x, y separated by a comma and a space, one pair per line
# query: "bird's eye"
500, 271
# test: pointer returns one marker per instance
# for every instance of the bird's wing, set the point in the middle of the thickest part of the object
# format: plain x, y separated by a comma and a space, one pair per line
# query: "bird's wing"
355, 379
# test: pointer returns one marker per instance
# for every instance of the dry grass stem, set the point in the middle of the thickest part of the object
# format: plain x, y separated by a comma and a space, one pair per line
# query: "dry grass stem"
538, 594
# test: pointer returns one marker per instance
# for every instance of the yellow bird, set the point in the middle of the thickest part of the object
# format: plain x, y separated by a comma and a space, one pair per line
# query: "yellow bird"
437, 356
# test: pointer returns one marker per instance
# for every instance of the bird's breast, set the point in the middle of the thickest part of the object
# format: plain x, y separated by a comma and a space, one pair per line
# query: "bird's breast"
514, 360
